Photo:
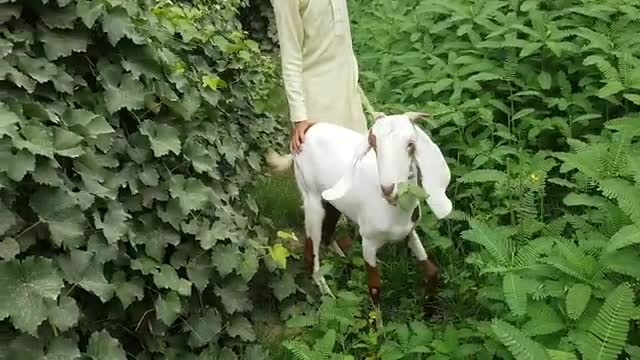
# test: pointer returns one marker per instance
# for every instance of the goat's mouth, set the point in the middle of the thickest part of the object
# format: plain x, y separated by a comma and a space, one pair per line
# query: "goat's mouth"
392, 200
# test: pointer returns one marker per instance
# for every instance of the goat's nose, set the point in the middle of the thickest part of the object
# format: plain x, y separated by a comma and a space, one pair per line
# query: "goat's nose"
387, 190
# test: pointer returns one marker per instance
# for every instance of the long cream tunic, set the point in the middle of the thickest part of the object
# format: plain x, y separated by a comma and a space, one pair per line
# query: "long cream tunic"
319, 67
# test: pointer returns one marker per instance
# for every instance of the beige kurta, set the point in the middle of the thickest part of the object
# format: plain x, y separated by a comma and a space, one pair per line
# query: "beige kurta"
319, 66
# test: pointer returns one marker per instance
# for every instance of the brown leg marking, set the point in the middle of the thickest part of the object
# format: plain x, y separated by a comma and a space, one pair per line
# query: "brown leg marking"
308, 255
373, 277
345, 243
431, 277
331, 217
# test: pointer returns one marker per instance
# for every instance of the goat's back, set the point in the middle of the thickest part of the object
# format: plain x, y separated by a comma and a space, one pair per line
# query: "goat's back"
326, 155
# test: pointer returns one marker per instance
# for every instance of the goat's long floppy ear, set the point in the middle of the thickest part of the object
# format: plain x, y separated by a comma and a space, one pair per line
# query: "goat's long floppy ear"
340, 188
435, 174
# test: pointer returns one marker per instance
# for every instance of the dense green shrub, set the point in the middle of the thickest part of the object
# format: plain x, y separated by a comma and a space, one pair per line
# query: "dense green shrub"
129, 133
535, 105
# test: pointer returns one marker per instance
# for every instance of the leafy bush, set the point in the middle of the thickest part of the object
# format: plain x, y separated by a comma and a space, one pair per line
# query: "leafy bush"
535, 105
129, 132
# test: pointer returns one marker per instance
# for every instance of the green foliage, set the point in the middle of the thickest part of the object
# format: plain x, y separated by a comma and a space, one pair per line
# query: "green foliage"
535, 106
130, 132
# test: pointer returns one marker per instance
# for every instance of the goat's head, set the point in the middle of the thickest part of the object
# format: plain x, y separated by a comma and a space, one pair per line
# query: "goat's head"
401, 148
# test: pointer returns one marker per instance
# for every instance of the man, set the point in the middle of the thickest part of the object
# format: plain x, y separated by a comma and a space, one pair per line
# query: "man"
319, 66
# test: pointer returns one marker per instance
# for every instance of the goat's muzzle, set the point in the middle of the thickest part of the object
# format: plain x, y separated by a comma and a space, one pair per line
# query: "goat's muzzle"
390, 194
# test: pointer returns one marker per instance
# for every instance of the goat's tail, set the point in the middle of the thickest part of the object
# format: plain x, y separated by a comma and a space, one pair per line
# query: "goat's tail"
279, 163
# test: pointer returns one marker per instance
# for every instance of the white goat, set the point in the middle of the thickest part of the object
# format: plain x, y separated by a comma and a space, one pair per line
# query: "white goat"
337, 174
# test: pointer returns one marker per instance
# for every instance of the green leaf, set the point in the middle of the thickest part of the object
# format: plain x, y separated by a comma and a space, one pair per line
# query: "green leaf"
66, 143
608, 332
191, 193
7, 219
8, 120
167, 278
149, 176
634, 98
544, 79
9, 11
128, 291
577, 299
58, 18
234, 296
9, 248
248, 266
627, 236
117, 24
65, 314
163, 138
82, 269
25, 287
39, 69
521, 346
114, 225
611, 88
284, 286
242, 328
168, 308
129, 94
89, 11
38, 140
523, 113
225, 258
59, 44
515, 294
17, 165
203, 329
199, 272
441, 85
62, 349
103, 347
279, 254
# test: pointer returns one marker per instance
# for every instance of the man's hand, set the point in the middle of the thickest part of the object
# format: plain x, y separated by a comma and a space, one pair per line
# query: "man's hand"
297, 135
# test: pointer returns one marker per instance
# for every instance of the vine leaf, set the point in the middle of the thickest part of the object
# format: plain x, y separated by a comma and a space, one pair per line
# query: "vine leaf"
168, 308
163, 138
104, 347
25, 287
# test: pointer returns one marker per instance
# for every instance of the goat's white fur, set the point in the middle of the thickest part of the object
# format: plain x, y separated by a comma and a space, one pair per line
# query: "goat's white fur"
336, 165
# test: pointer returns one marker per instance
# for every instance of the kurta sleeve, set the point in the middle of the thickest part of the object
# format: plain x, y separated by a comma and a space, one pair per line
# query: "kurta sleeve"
290, 37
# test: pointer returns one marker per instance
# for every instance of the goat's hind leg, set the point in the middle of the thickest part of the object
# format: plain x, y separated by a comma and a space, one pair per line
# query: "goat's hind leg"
314, 214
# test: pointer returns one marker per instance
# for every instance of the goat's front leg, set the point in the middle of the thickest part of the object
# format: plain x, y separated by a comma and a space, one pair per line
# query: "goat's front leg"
314, 214
369, 251
429, 270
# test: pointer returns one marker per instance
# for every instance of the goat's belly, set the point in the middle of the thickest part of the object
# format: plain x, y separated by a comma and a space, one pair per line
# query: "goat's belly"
387, 231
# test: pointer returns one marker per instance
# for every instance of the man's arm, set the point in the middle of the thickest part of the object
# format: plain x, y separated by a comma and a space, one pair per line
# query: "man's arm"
290, 37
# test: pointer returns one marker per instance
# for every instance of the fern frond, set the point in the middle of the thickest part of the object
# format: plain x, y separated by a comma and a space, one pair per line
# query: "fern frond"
544, 320
519, 344
484, 175
515, 294
495, 242
577, 299
627, 195
608, 333
298, 349
564, 266
623, 262
324, 346
627, 236
561, 355
555, 228
636, 314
